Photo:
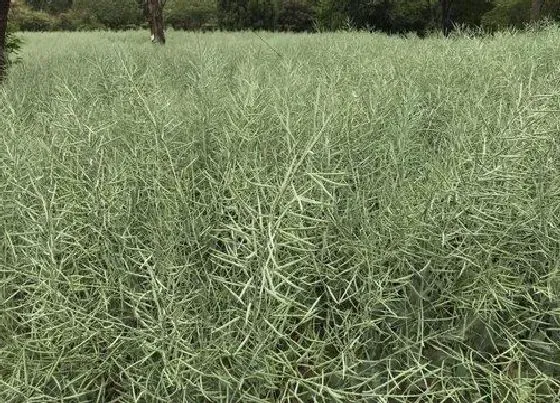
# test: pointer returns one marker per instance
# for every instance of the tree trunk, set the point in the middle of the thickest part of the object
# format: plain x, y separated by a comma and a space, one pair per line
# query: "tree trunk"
536, 6
155, 15
446, 21
4, 8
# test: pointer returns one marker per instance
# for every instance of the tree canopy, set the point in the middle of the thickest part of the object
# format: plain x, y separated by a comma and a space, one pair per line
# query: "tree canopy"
391, 16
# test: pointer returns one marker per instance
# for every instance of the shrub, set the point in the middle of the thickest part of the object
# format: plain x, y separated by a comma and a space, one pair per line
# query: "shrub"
50, 6
112, 14
26, 19
13, 46
330, 15
516, 13
71, 20
188, 15
296, 15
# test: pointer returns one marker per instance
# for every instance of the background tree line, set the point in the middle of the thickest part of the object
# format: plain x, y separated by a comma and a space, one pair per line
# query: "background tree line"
392, 16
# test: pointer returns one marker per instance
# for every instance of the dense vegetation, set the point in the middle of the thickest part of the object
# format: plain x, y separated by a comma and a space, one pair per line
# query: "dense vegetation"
364, 218
394, 16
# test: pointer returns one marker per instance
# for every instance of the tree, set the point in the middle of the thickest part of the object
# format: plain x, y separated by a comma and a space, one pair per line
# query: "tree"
295, 15
517, 13
155, 17
536, 7
50, 6
4, 8
190, 14
446, 21
113, 14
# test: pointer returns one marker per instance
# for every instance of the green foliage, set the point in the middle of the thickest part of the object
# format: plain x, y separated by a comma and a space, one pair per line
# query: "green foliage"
397, 16
516, 13
470, 12
24, 18
13, 46
191, 14
76, 19
507, 13
296, 16
365, 219
330, 15
551, 9
391, 16
293, 15
50, 6
110, 13
405, 15
232, 14
244, 14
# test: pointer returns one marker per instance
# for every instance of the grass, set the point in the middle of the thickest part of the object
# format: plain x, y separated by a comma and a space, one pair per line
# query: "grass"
362, 219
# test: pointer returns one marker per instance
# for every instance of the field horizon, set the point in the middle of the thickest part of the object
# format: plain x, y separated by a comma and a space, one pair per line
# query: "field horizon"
330, 217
